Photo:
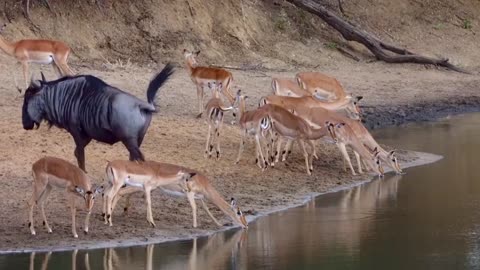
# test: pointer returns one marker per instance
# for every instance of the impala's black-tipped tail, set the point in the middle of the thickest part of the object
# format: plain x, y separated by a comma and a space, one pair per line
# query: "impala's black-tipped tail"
158, 81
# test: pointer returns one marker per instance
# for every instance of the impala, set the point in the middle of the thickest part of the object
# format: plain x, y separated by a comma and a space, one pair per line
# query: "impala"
214, 110
201, 76
320, 115
252, 123
346, 136
287, 87
49, 172
320, 85
149, 175
39, 51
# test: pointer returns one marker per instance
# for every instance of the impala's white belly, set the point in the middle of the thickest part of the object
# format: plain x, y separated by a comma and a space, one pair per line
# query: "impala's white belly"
43, 58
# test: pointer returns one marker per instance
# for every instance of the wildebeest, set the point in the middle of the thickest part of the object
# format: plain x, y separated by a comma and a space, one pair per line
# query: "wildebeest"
88, 108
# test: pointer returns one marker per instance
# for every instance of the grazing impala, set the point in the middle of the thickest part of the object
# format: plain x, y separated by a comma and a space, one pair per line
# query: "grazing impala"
253, 123
320, 85
320, 115
346, 136
38, 51
202, 75
214, 110
49, 172
149, 175
295, 103
287, 87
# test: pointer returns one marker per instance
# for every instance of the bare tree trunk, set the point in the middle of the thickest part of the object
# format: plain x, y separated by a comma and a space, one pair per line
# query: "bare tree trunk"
382, 51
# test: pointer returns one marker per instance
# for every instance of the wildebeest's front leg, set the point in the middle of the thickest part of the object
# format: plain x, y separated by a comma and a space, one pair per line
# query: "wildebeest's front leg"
80, 142
133, 149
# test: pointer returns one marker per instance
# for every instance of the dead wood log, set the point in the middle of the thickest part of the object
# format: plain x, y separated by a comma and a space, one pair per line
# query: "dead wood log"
381, 50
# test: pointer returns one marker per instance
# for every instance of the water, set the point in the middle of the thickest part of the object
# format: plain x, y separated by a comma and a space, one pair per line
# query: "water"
426, 219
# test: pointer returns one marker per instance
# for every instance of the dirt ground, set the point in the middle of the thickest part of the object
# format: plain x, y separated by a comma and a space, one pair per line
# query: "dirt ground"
175, 136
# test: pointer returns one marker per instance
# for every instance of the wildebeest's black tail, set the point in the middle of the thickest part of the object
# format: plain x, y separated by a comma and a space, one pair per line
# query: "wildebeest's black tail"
158, 81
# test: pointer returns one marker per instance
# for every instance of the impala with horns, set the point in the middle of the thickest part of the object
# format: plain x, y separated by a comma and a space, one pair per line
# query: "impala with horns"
50, 172
320, 115
253, 123
320, 85
214, 110
348, 104
90, 109
287, 87
291, 127
39, 51
126, 177
201, 76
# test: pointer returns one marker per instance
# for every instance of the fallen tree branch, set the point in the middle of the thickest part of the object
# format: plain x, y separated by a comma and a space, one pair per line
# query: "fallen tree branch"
381, 50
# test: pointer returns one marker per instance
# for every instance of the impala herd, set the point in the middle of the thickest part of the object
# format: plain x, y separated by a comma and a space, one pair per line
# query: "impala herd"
311, 107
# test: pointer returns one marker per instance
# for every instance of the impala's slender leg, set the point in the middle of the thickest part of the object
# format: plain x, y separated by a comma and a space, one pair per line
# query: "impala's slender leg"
219, 127
200, 100
279, 146
41, 201
207, 146
56, 69
209, 213
287, 150
73, 209
306, 155
314, 149
259, 149
38, 191
191, 200
25, 72
148, 198
343, 149
312, 145
359, 163
242, 145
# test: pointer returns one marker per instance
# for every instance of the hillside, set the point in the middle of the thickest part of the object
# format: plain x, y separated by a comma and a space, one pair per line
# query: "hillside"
272, 34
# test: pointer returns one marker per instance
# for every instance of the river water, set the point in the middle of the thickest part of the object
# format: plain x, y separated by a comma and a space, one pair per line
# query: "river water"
426, 219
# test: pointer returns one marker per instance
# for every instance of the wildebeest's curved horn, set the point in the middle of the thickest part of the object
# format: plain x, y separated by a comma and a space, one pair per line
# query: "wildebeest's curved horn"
43, 77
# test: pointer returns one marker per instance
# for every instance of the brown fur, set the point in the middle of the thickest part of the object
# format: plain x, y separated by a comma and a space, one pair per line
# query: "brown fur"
321, 84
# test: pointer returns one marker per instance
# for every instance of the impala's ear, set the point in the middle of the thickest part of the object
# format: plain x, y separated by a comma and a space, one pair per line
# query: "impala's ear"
80, 190
99, 189
245, 97
239, 92
192, 174
185, 51
197, 53
359, 98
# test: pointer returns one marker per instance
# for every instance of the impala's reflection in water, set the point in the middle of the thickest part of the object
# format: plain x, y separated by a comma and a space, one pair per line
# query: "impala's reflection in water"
339, 221
46, 259
218, 251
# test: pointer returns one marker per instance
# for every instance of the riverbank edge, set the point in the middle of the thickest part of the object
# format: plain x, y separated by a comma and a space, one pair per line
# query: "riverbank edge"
375, 117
